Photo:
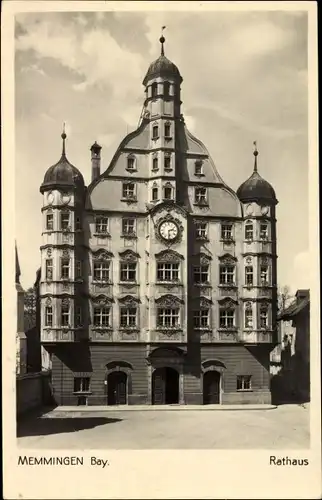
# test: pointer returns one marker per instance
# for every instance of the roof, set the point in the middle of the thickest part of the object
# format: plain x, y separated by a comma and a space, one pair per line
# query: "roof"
162, 67
293, 309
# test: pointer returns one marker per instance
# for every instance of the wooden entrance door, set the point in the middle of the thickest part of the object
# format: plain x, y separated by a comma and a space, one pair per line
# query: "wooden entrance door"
116, 383
158, 386
165, 386
211, 388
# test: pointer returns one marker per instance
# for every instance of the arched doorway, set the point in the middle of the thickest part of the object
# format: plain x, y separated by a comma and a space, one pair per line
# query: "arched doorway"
211, 387
165, 386
116, 388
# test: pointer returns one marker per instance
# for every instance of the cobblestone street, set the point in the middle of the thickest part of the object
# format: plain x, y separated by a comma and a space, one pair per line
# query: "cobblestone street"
284, 427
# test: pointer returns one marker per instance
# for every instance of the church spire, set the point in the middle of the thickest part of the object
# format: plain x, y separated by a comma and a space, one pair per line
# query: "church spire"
255, 155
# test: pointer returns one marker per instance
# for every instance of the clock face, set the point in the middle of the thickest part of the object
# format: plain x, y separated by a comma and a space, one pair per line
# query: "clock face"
168, 230
264, 210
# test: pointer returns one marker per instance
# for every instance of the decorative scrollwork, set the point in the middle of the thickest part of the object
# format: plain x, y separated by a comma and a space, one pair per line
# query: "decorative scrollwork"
101, 299
168, 300
228, 303
249, 260
48, 302
227, 258
102, 255
203, 258
129, 256
65, 302
49, 252
129, 300
169, 256
66, 253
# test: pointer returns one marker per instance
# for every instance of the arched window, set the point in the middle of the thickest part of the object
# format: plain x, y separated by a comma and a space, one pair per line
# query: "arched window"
167, 190
166, 89
249, 230
155, 131
154, 89
155, 165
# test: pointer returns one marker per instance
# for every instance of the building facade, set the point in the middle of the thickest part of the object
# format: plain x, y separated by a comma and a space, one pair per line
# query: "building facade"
158, 281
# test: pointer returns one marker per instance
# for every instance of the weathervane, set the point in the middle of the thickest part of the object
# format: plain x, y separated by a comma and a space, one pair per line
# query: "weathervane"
255, 154
162, 40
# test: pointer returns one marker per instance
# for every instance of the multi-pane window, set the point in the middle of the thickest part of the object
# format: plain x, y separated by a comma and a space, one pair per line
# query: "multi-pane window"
198, 167
78, 316
248, 317
65, 265
201, 230
201, 195
128, 271
264, 274
167, 130
249, 275
166, 89
131, 163
244, 382
64, 220
49, 316
128, 190
168, 317
81, 384
128, 317
167, 162
155, 194
226, 231
263, 231
155, 163
154, 89
102, 316
101, 271
167, 271
49, 269
155, 131
167, 192
65, 315
78, 269
201, 274
201, 318
227, 275
263, 317
226, 318
50, 222
128, 227
249, 231
101, 225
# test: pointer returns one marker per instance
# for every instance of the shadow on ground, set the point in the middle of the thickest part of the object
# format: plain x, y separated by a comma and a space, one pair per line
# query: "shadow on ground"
44, 426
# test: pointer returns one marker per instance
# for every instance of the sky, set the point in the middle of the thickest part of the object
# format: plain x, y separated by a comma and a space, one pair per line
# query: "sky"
244, 79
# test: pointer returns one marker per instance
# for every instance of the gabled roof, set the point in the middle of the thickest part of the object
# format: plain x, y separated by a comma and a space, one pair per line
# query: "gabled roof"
293, 309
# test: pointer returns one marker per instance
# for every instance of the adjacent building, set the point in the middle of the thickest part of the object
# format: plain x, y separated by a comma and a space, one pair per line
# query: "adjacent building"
158, 281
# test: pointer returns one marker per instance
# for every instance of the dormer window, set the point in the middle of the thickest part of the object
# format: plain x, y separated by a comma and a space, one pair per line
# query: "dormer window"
167, 161
167, 190
198, 168
130, 163
201, 196
128, 191
154, 89
167, 131
166, 89
155, 132
155, 163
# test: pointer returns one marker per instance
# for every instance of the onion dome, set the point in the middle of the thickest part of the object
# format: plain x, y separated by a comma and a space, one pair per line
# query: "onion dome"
63, 174
255, 188
162, 67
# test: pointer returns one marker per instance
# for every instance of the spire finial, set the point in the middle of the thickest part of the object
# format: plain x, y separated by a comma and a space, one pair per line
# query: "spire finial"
255, 155
162, 40
63, 136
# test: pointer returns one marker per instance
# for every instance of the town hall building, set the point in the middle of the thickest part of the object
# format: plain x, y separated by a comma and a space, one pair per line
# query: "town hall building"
158, 281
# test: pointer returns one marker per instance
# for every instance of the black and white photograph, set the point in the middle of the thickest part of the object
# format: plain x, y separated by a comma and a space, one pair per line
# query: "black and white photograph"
163, 259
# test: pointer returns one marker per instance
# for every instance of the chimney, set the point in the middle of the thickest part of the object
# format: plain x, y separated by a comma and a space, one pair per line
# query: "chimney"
96, 160
302, 294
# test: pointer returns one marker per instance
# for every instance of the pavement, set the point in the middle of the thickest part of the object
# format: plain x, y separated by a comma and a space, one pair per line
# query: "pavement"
174, 407
121, 428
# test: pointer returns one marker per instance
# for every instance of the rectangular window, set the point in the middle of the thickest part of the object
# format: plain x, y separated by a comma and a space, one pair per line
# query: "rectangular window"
167, 193
198, 167
248, 318
167, 271
65, 268
78, 224
167, 163
130, 163
226, 231
81, 384
201, 195
78, 269
155, 194
78, 316
128, 191
249, 233
50, 222
49, 269
128, 317
264, 275
128, 227
244, 382
201, 318
263, 231
168, 317
64, 220
263, 318
128, 271
155, 164
64, 315
155, 132
227, 275
102, 316
227, 318
201, 230
101, 225
101, 271
249, 275
201, 274
167, 130
48, 316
